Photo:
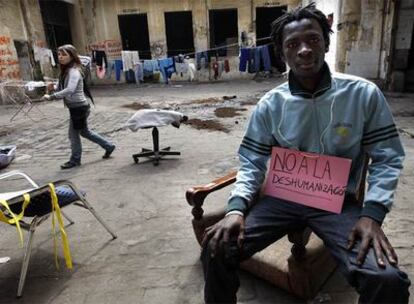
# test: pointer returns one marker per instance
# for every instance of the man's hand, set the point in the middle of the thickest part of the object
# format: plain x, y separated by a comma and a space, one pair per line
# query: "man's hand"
219, 233
370, 232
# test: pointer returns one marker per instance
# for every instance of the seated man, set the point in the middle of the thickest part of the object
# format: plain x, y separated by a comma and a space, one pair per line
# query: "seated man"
321, 112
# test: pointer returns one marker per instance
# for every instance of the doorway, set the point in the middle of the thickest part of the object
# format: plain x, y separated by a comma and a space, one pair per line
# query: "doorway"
134, 34
224, 31
55, 19
264, 18
179, 31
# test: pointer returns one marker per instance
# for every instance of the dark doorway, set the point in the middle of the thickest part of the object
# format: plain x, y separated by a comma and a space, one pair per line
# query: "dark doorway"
134, 34
264, 18
56, 23
179, 31
224, 31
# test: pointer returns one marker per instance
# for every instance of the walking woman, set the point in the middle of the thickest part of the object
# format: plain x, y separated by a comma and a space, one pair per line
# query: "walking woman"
71, 88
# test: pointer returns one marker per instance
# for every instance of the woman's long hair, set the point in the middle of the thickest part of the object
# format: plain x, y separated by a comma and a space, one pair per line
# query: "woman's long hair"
74, 63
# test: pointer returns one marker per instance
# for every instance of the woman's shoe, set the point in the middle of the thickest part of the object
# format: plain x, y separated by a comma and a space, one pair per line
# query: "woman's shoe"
69, 164
108, 152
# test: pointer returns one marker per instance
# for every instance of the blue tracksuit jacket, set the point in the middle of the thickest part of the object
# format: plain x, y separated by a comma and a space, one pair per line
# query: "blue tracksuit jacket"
347, 116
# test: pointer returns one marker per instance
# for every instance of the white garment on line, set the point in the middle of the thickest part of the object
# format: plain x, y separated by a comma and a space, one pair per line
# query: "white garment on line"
44, 55
129, 59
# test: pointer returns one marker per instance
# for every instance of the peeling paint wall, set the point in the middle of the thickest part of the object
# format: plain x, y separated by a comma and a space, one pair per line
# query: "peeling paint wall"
20, 22
364, 38
96, 21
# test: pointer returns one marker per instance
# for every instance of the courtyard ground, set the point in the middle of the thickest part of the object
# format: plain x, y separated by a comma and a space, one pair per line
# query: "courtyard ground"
156, 257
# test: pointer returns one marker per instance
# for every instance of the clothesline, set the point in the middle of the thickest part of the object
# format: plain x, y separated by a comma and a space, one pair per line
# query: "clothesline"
211, 49
225, 46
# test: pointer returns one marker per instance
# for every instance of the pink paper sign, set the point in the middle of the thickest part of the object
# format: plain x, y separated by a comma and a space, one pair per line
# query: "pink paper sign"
309, 179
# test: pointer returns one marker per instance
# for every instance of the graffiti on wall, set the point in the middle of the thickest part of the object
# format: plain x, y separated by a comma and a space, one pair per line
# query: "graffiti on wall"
111, 47
9, 63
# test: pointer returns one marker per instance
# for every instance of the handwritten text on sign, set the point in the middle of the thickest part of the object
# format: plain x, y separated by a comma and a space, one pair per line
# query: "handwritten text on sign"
309, 179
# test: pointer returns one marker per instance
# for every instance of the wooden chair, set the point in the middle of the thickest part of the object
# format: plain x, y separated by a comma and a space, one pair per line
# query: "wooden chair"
298, 263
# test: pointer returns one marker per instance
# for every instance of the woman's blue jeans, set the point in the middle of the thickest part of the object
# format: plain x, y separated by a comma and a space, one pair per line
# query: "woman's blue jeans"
76, 144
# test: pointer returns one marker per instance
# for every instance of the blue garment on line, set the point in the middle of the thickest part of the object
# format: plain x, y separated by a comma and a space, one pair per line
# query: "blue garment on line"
150, 66
254, 60
139, 72
202, 55
265, 57
244, 58
130, 76
118, 69
167, 68
110, 68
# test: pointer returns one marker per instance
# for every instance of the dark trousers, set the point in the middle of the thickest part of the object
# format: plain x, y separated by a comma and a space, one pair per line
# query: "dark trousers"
270, 219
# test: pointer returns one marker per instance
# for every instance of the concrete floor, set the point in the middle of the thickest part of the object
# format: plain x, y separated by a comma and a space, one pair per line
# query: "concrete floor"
155, 258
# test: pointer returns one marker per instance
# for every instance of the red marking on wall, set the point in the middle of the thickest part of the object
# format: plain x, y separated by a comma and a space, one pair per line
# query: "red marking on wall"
9, 63
112, 48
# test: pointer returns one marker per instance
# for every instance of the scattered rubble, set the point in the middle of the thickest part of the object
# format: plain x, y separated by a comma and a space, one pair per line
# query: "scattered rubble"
228, 112
209, 124
137, 106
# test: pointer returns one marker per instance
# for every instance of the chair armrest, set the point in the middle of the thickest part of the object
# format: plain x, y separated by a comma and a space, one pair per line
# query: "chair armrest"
196, 195
16, 172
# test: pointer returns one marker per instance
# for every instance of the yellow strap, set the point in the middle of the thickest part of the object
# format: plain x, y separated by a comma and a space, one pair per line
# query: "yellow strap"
15, 220
65, 242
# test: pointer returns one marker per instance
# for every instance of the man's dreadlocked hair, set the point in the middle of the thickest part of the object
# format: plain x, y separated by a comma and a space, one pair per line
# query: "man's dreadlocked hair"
308, 12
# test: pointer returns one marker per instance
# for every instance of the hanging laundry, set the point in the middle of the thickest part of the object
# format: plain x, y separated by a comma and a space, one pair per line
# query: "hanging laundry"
265, 58
118, 69
150, 66
244, 58
110, 68
130, 76
226, 65
200, 57
100, 71
99, 58
43, 55
214, 67
129, 59
181, 67
167, 68
191, 70
85, 61
139, 72
220, 68
254, 61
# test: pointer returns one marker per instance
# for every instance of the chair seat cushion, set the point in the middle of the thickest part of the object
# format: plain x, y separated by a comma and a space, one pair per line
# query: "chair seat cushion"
41, 204
303, 278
